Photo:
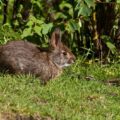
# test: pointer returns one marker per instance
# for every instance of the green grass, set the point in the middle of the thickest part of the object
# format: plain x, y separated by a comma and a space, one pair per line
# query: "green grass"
81, 93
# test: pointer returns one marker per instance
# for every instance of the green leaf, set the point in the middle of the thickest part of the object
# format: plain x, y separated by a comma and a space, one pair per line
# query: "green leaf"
46, 28
72, 25
118, 1
37, 3
60, 15
29, 23
37, 30
111, 46
84, 10
107, 40
33, 21
90, 3
32, 18
27, 32
65, 4
80, 23
39, 22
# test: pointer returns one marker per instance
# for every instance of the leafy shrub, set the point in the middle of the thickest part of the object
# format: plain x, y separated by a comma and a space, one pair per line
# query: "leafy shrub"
8, 34
84, 24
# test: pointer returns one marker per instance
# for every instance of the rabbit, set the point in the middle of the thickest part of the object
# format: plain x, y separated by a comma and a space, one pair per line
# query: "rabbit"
23, 57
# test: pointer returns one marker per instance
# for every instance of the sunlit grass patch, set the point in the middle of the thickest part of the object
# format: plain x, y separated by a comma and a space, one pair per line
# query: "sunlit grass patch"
81, 92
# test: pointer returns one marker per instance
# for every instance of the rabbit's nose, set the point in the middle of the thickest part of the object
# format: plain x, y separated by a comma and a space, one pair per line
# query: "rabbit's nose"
72, 60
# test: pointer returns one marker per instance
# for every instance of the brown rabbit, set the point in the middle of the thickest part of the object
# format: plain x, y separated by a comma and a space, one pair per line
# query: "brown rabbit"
25, 57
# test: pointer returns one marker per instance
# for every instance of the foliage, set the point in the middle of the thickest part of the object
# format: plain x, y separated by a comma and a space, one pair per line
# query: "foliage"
7, 34
81, 22
35, 26
109, 44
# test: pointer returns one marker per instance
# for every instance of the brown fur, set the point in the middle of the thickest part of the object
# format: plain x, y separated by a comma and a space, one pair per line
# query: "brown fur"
23, 57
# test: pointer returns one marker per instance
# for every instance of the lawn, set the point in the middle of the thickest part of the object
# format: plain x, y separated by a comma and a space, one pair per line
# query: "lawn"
82, 92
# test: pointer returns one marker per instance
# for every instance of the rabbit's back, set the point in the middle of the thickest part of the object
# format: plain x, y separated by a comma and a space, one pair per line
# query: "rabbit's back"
24, 57
17, 54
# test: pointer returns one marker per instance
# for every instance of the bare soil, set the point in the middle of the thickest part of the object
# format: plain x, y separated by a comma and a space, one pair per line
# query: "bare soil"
12, 116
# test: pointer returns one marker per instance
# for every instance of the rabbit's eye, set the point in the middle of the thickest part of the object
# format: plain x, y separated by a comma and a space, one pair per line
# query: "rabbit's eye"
64, 53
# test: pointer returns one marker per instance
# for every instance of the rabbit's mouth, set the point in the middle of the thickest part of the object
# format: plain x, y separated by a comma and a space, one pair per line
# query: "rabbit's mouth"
67, 64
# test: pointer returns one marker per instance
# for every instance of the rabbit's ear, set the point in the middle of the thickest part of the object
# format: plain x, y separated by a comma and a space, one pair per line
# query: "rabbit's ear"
56, 38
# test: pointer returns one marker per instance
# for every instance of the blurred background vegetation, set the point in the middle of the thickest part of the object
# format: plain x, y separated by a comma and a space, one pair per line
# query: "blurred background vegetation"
91, 28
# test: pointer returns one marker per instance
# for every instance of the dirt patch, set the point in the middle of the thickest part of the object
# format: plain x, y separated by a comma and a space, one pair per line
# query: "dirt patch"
114, 82
12, 116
